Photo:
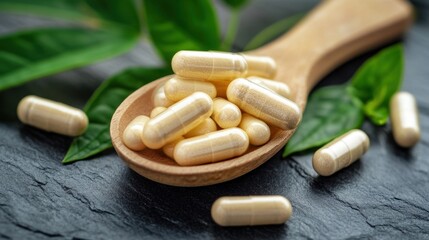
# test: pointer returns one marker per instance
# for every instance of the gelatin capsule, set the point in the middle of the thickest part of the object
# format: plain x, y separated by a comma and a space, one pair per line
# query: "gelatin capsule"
404, 116
168, 149
260, 66
263, 104
132, 136
52, 116
156, 111
251, 210
341, 152
258, 131
202, 65
177, 89
205, 127
211, 147
221, 87
159, 99
225, 113
177, 120
278, 87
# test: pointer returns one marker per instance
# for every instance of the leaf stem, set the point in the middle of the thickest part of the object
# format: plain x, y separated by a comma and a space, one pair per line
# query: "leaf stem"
231, 31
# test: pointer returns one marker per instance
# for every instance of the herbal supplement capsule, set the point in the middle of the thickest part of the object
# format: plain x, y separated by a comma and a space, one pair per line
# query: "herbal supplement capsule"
156, 111
221, 87
341, 152
278, 87
404, 116
225, 114
260, 66
209, 65
257, 131
205, 127
177, 89
263, 104
211, 147
251, 210
177, 120
168, 149
52, 116
159, 99
132, 136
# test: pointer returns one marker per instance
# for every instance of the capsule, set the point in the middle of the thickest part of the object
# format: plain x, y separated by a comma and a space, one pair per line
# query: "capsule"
205, 127
260, 66
159, 99
341, 152
211, 147
404, 116
251, 210
257, 130
177, 120
156, 111
177, 89
132, 136
168, 149
201, 65
225, 114
52, 116
278, 87
263, 104
221, 87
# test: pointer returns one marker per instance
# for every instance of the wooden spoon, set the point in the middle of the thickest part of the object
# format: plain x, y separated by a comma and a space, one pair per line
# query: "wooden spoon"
334, 32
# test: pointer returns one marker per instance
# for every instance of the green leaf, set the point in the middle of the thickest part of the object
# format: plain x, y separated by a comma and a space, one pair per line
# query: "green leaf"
377, 80
102, 105
37, 53
181, 25
235, 4
330, 112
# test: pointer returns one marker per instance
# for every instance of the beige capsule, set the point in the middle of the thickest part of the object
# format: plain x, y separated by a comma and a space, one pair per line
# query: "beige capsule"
132, 136
177, 120
261, 66
156, 111
211, 147
208, 125
225, 113
404, 116
278, 87
52, 116
177, 89
202, 65
257, 130
168, 149
251, 210
221, 87
263, 104
341, 152
159, 99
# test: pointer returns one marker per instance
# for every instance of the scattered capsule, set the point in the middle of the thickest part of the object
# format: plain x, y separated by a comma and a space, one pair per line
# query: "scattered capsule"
211, 147
177, 89
251, 210
177, 120
52, 116
257, 130
208, 125
341, 152
225, 113
159, 99
156, 111
202, 65
132, 136
168, 149
221, 87
263, 104
278, 87
260, 66
404, 116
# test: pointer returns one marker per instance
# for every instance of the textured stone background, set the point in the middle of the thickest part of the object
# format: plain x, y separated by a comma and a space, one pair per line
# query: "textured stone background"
384, 195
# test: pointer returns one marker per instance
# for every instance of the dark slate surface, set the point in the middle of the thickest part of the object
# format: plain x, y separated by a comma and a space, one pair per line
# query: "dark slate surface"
384, 195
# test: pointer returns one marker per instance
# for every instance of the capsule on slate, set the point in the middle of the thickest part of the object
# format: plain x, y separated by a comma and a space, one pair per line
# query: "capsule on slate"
341, 152
211, 147
261, 66
159, 99
225, 113
208, 125
278, 87
404, 116
263, 104
168, 149
156, 111
257, 130
52, 116
132, 136
177, 89
177, 120
251, 210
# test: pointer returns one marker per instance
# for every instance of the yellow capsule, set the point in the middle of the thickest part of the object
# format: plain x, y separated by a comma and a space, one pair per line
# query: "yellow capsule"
156, 111
159, 99
221, 87
132, 136
177, 89
168, 149
278, 87
341, 152
263, 104
404, 116
260, 66
52, 116
211, 147
205, 127
225, 113
251, 210
257, 130
209, 65
177, 120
